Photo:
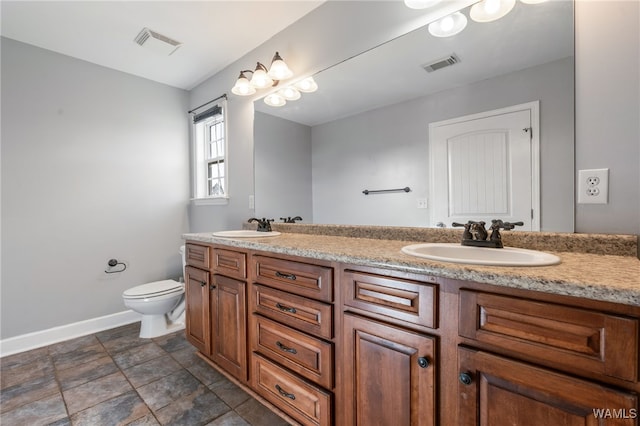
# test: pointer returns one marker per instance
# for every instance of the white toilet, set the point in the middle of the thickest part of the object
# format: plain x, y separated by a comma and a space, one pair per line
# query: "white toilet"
161, 304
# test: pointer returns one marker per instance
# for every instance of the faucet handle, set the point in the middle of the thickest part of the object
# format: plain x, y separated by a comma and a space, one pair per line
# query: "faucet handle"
510, 225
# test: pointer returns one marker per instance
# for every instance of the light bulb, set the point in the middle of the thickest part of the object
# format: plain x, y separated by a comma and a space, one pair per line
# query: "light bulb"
279, 69
308, 85
449, 25
490, 10
243, 87
446, 24
260, 79
491, 6
290, 93
275, 100
420, 4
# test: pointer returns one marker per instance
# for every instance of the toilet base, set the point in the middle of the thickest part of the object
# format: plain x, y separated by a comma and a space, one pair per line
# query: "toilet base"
158, 325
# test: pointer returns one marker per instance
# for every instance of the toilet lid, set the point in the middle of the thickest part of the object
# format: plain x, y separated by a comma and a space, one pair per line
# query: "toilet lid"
156, 288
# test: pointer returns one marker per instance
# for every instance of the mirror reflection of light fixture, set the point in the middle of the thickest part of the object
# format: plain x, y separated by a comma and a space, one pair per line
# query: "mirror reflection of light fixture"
261, 78
491, 10
533, 1
308, 85
420, 4
275, 100
449, 25
290, 93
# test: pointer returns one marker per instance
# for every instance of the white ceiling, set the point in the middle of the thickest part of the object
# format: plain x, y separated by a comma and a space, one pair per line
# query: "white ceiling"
214, 34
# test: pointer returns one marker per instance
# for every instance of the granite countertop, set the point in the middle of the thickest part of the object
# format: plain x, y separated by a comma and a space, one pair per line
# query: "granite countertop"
607, 277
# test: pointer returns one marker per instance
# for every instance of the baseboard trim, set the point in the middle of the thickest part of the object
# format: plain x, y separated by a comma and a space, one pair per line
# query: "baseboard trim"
38, 339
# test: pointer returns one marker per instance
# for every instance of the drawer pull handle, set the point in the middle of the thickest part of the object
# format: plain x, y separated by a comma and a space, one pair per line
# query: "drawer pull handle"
284, 393
423, 362
286, 348
465, 378
286, 308
291, 277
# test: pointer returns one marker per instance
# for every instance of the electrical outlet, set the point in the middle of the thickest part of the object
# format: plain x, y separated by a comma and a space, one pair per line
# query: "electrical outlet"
593, 186
422, 203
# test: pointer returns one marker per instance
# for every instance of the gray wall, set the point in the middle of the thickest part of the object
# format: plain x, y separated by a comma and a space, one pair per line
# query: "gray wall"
608, 111
308, 47
388, 148
283, 168
94, 166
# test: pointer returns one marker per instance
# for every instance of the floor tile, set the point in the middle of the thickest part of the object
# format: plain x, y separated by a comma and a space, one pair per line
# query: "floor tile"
185, 357
114, 333
27, 392
73, 345
197, 408
161, 392
87, 372
21, 373
230, 419
79, 356
148, 420
138, 355
22, 358
173, 342
151, 371
123, 343
50, 410
258, 415
95, 392
230, 393
204, 372
121, 410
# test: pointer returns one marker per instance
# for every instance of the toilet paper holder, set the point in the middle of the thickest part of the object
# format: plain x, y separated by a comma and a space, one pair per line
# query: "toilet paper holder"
112, 264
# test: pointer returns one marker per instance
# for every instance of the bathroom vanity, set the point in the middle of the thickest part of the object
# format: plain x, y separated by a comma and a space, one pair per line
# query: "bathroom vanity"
346, 330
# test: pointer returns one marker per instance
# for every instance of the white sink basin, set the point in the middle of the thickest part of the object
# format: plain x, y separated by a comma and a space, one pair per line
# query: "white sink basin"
456, 253
245, 233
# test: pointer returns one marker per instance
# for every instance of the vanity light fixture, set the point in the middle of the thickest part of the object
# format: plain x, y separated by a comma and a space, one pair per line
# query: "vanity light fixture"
449, 25
261, 78
275, 100
533, 1
290, 93
308, 85
420, 4
491, 10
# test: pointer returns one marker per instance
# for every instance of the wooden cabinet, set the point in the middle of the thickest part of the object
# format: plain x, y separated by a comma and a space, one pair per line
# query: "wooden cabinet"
216, 312
390, 374
228, 325
384, 347
496, 391
197, 323
291, 335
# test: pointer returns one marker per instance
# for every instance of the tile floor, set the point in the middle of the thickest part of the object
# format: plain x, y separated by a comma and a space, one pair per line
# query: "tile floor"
115, 378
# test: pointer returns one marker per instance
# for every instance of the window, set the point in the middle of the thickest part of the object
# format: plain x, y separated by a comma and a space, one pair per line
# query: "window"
210, 154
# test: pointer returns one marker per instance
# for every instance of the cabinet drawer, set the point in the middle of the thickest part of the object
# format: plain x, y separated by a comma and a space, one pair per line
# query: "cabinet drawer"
230, 263
299, 312
300, 278
310, 357
411, 301
564, 336
303, 401
197, 256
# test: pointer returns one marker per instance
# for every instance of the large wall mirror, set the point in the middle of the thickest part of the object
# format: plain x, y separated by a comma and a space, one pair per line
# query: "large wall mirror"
367, 126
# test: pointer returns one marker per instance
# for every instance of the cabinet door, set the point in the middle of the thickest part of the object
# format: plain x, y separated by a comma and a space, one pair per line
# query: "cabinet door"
495, 391
197, 308
389, 374
228, 325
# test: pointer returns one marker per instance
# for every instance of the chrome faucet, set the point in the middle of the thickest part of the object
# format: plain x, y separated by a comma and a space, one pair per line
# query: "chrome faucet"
475, 233
264, 224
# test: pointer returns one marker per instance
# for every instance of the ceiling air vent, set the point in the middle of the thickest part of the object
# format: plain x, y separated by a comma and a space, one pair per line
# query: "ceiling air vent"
441, 63
157, 42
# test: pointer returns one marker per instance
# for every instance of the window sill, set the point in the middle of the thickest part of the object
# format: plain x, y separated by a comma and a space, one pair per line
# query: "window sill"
217, 201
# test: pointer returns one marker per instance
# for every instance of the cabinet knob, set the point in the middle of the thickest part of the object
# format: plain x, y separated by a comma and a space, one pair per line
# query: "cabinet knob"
203, 283
465, 378
212, 287
423, 362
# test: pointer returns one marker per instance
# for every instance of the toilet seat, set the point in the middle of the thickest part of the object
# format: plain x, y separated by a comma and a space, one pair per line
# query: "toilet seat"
154, 289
